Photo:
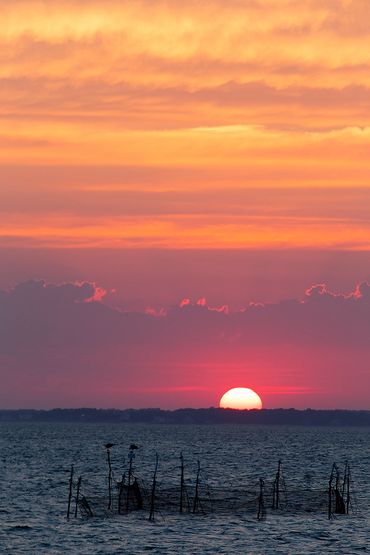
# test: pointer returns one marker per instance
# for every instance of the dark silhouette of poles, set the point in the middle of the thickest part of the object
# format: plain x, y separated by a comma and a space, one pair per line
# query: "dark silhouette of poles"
152, 496
78, 495
340, 507
70, 492
276, 488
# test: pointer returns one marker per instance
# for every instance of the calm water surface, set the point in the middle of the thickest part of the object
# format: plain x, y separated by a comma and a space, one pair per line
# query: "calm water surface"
35, 460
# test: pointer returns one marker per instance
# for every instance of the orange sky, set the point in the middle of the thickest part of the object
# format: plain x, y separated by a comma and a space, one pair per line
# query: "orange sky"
185, 124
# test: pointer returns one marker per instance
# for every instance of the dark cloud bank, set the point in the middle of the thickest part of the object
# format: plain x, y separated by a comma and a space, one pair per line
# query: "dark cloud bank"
61, 345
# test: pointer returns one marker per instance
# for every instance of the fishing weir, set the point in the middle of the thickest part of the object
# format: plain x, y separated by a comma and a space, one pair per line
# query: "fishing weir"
157, 496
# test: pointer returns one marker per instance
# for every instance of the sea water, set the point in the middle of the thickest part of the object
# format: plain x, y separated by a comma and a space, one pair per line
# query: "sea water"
35, 462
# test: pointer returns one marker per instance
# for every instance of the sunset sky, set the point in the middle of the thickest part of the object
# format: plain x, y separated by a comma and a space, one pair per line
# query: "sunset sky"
185, 202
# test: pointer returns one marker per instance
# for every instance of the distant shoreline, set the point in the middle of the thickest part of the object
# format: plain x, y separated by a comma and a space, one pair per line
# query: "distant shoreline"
294, 417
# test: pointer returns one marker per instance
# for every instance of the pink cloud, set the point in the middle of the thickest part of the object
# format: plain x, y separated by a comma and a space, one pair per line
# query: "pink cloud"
99, 294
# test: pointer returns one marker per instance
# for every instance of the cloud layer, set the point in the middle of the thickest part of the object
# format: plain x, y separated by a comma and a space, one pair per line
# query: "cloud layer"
62, 345
180, 97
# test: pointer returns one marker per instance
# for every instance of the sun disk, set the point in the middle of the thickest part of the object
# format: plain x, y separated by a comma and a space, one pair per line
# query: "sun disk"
240, 398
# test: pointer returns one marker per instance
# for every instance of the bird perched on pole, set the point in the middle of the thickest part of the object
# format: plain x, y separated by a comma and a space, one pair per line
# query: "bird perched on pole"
109, 445
133, 446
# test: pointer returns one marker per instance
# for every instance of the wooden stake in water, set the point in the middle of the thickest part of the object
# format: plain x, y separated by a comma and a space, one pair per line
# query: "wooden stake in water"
70, 492
152, 496
78, 495
276, 488
330, 492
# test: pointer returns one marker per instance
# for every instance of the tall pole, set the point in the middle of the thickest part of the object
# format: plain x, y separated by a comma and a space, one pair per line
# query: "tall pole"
70, 492
276, 488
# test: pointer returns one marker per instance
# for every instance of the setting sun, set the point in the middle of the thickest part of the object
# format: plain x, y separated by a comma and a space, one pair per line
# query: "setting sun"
240, 398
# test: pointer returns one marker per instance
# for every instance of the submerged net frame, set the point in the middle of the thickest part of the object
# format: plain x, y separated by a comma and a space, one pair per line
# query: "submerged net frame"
195, 496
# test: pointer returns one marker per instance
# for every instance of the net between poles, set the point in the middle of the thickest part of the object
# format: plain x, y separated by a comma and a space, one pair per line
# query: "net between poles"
217, 500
